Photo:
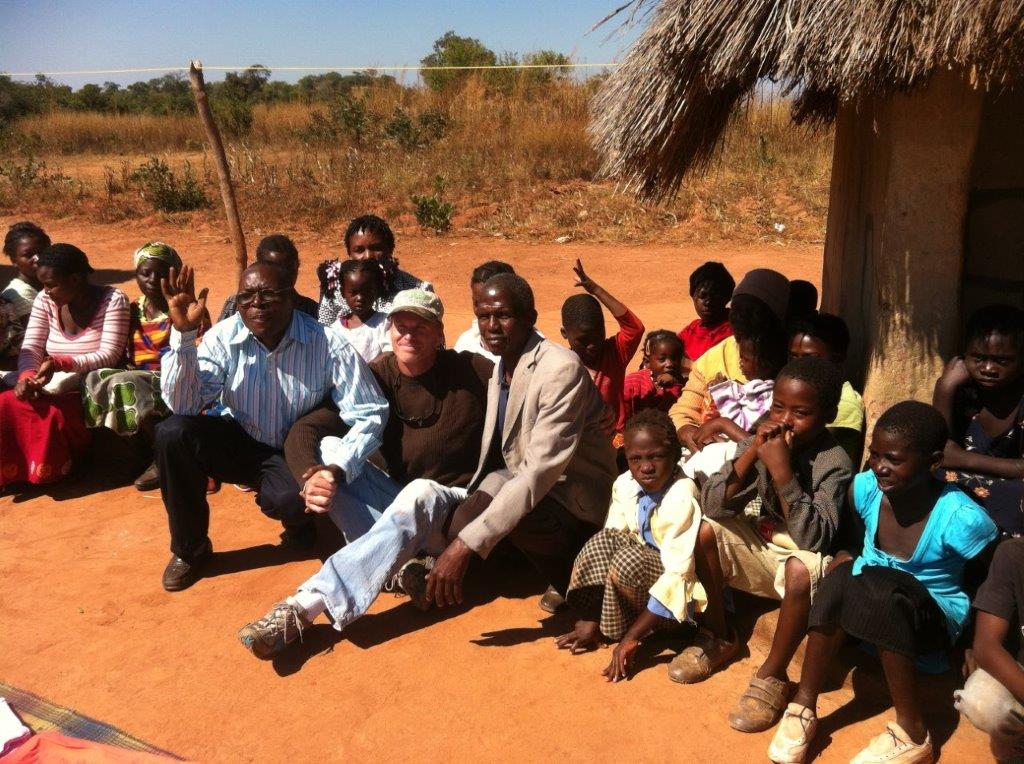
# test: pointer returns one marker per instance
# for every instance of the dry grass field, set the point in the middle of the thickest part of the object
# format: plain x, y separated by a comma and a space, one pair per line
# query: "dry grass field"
515, 164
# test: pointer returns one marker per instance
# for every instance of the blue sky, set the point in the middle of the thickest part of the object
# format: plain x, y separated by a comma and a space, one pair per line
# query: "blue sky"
55, 35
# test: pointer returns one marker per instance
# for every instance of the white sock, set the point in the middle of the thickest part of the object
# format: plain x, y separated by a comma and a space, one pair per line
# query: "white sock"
311, 604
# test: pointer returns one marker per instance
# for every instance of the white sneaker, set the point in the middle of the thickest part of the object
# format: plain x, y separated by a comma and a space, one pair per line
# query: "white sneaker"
894, 746
794, 735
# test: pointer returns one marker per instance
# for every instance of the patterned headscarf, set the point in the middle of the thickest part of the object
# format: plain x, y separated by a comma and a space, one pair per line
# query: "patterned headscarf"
157, 250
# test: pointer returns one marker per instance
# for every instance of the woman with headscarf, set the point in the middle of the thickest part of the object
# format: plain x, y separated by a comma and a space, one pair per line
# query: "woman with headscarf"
127, 400
75, 327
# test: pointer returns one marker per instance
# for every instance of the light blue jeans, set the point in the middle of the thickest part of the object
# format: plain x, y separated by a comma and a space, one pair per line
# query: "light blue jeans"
361, 503
381, 541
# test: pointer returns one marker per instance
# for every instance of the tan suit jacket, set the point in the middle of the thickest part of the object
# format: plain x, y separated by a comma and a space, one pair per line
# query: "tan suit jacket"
553, 444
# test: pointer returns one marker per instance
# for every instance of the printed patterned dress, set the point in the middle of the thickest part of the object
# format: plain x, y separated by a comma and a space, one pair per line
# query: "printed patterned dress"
120, 399
1002, 498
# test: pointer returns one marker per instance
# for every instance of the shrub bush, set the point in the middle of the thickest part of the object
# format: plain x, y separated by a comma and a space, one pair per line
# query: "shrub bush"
432, 211
158, 185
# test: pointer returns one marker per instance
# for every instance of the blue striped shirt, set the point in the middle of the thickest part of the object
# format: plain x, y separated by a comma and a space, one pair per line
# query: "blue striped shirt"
265, 392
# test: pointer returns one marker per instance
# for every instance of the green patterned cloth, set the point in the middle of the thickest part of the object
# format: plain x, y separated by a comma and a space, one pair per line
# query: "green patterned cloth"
120, 399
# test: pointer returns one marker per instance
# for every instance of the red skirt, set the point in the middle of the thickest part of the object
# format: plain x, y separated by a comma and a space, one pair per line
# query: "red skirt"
40, 439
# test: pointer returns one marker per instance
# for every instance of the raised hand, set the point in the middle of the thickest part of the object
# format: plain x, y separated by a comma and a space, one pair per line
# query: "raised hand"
185, 309
582, 279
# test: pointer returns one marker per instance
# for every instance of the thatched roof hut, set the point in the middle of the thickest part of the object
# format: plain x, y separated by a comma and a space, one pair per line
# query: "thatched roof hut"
926, 215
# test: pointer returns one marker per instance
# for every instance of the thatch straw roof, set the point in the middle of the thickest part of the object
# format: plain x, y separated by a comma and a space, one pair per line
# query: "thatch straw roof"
663, 111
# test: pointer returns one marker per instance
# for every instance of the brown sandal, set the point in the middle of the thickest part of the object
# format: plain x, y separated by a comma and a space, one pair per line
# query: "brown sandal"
701, 659
761, 706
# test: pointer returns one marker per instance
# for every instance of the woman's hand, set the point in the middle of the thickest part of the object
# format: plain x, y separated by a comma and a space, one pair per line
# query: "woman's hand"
45, 372
622, 659
185, 309
30, 388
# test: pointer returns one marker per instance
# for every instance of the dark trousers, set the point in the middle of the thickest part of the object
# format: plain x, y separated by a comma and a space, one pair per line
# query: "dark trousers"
550, 537
188, 449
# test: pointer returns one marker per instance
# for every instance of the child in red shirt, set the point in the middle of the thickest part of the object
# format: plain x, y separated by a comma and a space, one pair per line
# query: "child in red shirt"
583, 328
659, 382
711, 286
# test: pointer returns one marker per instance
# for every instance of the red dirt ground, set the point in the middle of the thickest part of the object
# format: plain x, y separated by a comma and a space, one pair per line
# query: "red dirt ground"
87, 625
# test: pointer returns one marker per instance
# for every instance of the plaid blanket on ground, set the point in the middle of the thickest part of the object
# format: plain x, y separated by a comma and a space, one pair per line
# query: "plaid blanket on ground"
40, 715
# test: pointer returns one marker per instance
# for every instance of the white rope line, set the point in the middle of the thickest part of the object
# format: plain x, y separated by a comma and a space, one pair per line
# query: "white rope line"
69, 73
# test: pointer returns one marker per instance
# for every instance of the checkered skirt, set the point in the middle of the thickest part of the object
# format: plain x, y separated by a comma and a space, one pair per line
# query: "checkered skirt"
612, 578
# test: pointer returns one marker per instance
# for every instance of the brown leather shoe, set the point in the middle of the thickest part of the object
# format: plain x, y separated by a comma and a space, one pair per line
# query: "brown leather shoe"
181, 574
702, 658
761, 706
148, 480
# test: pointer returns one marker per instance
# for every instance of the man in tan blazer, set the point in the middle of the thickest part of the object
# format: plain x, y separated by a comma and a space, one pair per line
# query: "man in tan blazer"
546, 465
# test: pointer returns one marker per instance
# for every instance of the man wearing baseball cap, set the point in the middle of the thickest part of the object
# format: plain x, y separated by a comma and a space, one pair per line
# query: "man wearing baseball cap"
431, 449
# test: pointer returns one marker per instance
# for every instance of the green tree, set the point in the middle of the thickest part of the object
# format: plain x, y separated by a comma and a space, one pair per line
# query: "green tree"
452, 50
558, 63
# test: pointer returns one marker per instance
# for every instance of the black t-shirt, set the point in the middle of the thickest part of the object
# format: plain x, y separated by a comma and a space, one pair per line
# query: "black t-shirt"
1002, 594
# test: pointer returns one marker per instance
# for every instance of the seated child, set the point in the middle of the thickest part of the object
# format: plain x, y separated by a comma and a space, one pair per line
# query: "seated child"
903, 593
658, 382
469, 340
993, 698
366, 329
637, 573
23, 244
583, 328
799, 474
711, 288
981, 396
277, 249
823, 335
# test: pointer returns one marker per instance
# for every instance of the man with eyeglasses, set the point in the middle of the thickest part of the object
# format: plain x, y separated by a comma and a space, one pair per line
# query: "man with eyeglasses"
267, 365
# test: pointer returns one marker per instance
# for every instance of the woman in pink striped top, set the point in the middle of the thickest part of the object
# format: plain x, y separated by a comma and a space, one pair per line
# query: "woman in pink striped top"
74, 327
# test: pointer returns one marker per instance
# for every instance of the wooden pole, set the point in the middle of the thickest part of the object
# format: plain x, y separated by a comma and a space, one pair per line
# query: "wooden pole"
227, 191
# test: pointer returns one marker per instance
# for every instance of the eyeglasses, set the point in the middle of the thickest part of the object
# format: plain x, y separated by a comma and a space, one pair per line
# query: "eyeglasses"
265, 296
416, 421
